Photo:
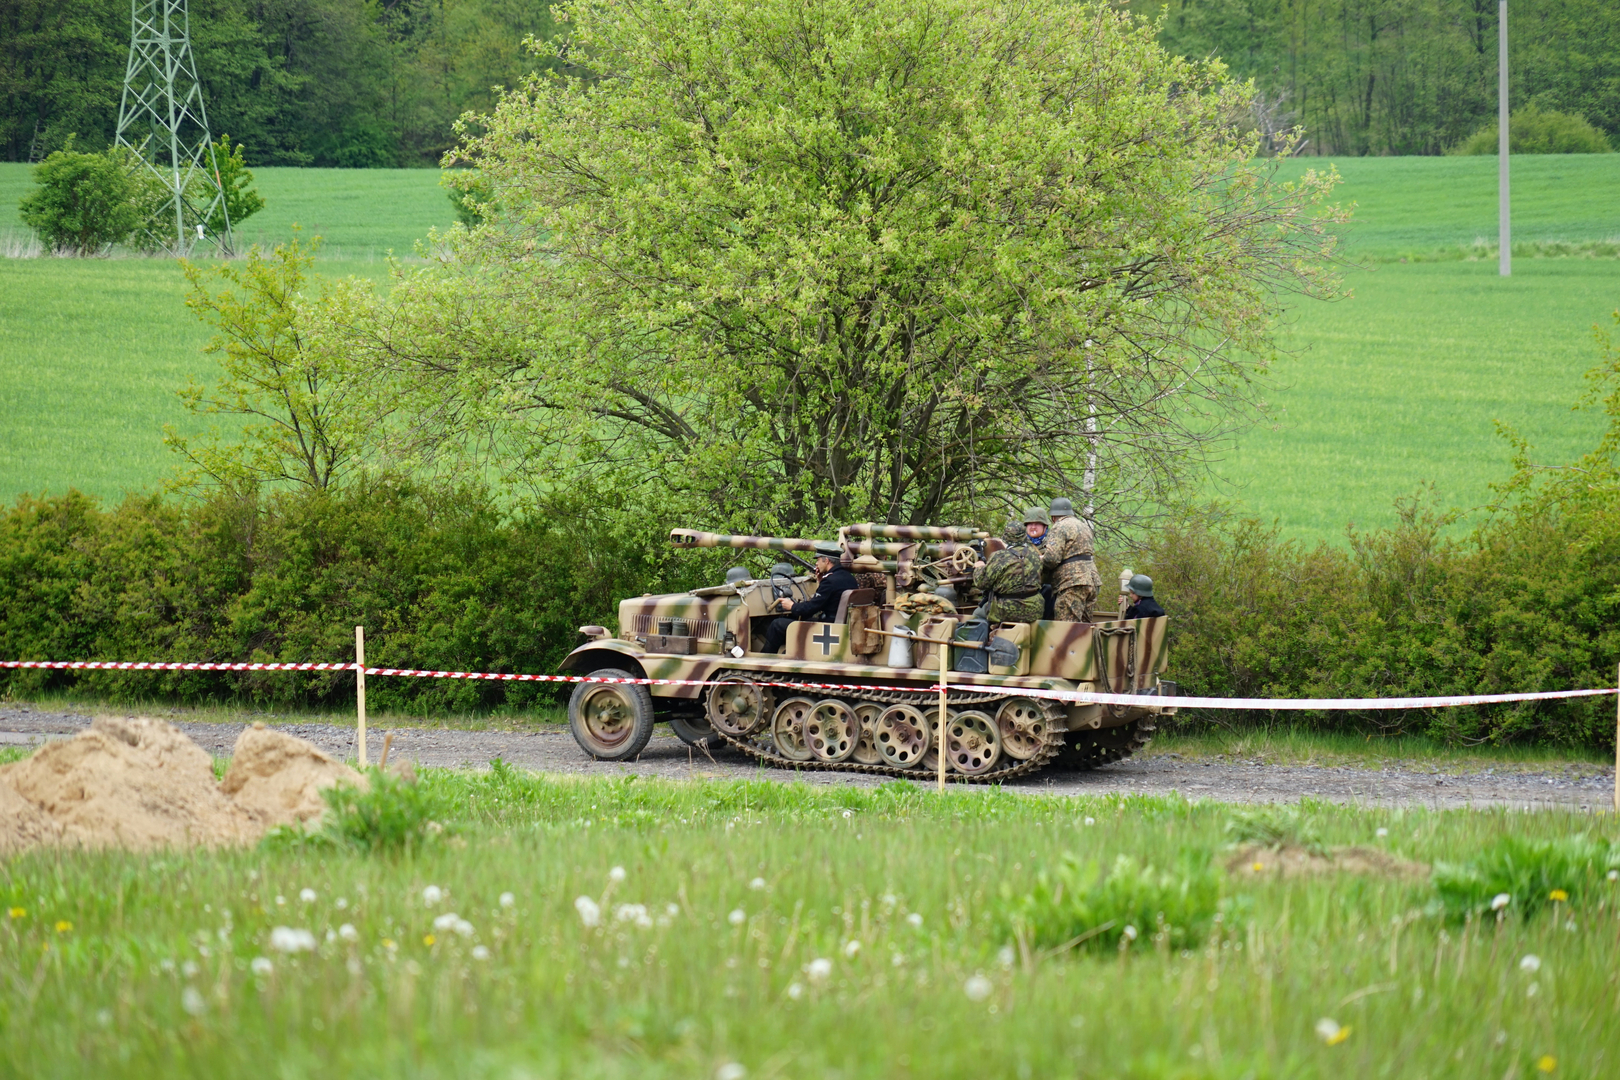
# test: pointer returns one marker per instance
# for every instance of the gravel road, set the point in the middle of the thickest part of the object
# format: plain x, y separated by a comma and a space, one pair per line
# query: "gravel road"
552, 749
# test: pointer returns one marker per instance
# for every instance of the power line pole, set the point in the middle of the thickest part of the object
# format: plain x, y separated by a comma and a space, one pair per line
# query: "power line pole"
1504, 238
162, 120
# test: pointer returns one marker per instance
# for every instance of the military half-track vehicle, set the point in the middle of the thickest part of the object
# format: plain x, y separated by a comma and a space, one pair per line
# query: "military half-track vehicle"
859, 692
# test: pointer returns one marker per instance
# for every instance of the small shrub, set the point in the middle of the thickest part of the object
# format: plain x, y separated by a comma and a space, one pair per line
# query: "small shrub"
392, 814
1176, 907
1526, 871
84, 204
242, 200
1531, 131
1275, 826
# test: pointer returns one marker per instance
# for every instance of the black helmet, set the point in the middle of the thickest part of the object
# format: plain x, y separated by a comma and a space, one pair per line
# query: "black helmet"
736, 574
781, 569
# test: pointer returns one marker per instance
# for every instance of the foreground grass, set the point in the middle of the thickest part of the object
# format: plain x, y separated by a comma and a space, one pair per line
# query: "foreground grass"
136, 965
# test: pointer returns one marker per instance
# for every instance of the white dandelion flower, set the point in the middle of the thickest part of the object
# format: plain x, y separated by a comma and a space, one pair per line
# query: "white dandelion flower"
616, 874
288, 940
1381, 833
757, 884
977, 988
348, 933
432, 895
189, 969
590, 912
507, 899
192, 1001
737, 917
1129, 932
262, 966
795, 991
1500, 901
851, 948
1006, 956
1091, 821
672, 910
1329, 1031
819, 969
1530, 962
914, 919
307, 895
340, 903
730, 1071
480, 952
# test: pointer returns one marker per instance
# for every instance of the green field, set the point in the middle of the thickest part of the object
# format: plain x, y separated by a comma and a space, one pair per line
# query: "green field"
1395, 386
791, 930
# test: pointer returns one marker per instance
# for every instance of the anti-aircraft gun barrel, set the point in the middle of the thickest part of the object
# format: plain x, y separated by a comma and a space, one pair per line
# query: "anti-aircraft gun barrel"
692, 538
959, 533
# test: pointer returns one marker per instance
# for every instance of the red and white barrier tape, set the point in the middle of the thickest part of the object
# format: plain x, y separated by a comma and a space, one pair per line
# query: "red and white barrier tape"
1077, 696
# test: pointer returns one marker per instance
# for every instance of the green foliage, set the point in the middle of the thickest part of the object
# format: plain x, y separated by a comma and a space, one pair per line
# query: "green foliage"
470, 193
439, 580
344, 83
1532, 131
84, 204
1276, 826
1074, 904
393, 813
1529, 872
1415, 77
306, 417
857, 261
241, 200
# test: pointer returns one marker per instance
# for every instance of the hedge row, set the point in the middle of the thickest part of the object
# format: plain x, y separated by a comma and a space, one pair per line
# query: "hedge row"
1528, 602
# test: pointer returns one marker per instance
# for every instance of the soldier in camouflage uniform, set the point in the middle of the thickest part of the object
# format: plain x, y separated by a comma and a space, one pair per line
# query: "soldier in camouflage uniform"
1011, 579
1068, 555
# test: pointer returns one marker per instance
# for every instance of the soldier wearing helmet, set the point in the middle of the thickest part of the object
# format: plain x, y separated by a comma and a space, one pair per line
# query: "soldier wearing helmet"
1068, 555
1144, 607
1010, 579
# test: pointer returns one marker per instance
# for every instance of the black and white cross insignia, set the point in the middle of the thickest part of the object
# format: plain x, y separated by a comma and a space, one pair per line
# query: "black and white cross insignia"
828, 639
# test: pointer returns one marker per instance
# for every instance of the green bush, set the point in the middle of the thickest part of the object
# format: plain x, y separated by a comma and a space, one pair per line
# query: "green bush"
242, 200
1528, 872
391, 813
439, 580
84, 203
1076, 905
1531, 131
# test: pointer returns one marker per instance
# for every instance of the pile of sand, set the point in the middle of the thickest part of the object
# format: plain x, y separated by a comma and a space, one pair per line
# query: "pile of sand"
139, 783
1293, 860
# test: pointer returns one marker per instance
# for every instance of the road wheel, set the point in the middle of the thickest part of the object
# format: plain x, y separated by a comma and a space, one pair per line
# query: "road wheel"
832, 731
787, 728
695, 731
611, 721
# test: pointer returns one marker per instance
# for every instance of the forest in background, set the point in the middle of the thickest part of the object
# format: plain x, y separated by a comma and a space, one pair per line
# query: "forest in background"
378, 83
342, 83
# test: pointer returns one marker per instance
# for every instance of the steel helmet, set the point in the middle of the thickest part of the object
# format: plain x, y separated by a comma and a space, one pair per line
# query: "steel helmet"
1061, 508
1037, 514
736, 574
781, 569
1141, 585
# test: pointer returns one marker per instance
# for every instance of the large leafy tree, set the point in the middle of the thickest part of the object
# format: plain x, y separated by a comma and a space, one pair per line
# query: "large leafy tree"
904, 260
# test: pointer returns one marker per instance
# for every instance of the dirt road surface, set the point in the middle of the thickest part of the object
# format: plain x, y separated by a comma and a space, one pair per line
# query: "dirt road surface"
551, 749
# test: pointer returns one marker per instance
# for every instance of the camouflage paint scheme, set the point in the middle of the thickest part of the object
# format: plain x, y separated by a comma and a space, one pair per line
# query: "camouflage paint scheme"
1115, 656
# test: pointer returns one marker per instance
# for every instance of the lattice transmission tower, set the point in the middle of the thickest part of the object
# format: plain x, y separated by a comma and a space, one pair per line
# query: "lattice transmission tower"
163, 120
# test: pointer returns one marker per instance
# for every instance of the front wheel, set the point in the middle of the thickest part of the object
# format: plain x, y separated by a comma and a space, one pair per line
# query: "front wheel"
695, 731
611, 721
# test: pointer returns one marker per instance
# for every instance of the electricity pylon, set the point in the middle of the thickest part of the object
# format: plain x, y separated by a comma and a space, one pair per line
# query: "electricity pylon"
163, 121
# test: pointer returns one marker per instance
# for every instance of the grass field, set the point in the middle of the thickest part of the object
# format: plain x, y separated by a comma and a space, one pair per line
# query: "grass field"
782, 930
1395, 386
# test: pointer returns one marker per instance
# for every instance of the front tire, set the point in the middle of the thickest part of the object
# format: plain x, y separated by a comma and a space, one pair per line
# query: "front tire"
611, 721
695, 731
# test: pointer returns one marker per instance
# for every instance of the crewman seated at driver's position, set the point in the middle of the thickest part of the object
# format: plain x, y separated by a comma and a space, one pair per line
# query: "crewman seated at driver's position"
833, 582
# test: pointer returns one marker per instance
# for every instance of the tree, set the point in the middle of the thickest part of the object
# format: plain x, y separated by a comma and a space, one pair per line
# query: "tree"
304, 419
242, 200
892, 259
84, 203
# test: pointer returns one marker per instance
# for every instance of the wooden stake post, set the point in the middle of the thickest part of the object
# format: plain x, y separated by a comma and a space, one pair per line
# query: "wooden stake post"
944, 666
360, 686
1617, 747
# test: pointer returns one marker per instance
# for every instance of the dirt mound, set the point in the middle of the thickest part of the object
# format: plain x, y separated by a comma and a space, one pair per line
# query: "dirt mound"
280, 776
140, 784
1292, 860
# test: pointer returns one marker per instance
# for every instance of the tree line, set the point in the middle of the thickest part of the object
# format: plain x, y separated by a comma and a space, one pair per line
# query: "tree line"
366, 84
1403, 76
344, 83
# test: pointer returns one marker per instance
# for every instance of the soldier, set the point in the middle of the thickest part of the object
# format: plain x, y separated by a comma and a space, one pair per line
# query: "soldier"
833, 582
1010, 579
1144, 607
1068, 555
